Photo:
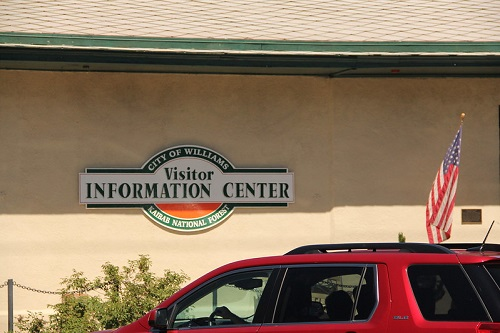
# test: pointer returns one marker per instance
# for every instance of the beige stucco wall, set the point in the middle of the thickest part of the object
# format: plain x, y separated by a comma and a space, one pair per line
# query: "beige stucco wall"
364, 153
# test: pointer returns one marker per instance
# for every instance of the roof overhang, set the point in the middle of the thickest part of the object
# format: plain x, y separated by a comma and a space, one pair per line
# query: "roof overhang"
333, 59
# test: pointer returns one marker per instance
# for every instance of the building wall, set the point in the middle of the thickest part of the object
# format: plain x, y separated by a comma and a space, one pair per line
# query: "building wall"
364, 153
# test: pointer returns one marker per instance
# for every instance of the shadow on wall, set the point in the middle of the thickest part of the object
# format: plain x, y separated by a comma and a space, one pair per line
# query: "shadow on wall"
349, 142
389, 145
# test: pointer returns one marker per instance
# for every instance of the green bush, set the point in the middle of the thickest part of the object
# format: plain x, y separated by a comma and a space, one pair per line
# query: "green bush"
126, 295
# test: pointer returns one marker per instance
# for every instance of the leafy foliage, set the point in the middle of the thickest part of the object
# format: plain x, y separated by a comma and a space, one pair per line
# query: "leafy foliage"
127, 294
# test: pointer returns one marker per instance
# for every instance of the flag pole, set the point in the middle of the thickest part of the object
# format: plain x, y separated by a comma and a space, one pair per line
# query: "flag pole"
462, 117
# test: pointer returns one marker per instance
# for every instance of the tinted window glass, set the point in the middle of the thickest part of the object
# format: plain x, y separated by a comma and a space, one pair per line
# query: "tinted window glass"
485, 279
231, 300
443, 293
494, 271
330, 293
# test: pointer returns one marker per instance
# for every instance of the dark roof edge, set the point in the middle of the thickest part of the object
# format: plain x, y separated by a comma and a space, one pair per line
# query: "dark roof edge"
151, 44
126, 60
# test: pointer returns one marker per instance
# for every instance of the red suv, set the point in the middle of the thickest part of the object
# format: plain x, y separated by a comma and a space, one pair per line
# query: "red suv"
374, 287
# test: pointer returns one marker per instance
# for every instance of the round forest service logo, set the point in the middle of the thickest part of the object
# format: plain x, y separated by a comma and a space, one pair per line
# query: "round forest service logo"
186, 188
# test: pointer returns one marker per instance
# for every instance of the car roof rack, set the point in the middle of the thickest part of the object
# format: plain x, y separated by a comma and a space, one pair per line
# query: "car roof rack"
472, 247
403, 247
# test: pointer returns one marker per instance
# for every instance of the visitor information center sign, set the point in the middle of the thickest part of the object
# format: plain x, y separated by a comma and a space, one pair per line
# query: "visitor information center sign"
186, 188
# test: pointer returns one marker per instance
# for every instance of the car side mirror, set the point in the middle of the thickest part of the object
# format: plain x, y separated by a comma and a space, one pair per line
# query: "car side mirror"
158, 319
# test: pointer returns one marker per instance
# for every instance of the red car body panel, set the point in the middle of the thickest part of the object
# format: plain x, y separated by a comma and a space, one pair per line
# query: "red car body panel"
397, 310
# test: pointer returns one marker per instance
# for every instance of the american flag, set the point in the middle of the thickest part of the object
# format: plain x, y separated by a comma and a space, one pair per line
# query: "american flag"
442, 196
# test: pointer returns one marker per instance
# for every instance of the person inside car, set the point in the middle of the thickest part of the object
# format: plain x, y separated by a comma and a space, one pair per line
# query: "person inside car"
339, 306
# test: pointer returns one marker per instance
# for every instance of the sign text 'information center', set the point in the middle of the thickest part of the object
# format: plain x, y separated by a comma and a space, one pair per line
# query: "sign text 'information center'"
186, 187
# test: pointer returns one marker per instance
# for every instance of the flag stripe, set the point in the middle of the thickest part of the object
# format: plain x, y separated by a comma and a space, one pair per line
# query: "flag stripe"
441, 200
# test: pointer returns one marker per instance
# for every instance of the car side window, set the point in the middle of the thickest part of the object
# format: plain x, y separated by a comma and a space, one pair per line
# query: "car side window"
444, 293
230, 300
333, 293
494, 271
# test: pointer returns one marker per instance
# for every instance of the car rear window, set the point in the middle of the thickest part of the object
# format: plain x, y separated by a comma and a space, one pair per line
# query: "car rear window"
494, 271
444, 293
